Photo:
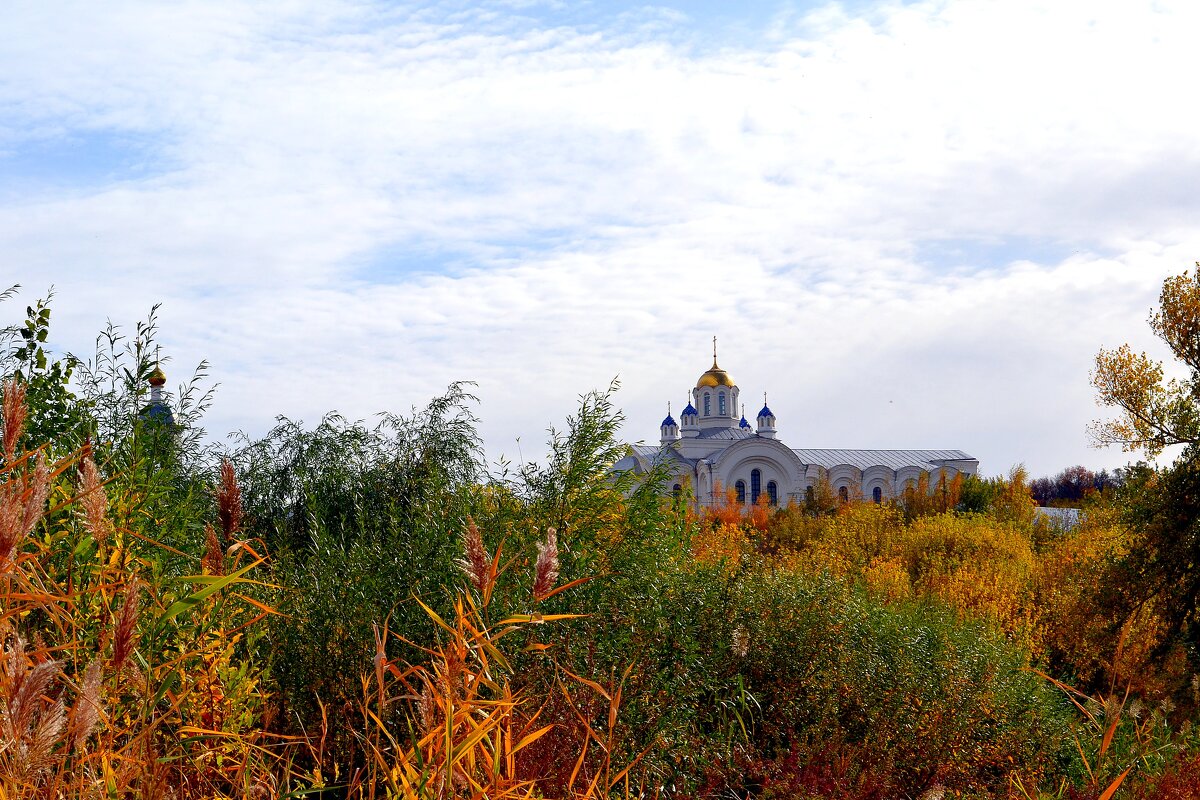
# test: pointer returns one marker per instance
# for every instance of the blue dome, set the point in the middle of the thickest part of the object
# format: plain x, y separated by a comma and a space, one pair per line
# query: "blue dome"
159, 413
743, 423
766, 412
668, 421
690, 410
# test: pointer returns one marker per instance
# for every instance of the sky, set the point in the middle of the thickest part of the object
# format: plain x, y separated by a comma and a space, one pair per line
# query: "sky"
910, 224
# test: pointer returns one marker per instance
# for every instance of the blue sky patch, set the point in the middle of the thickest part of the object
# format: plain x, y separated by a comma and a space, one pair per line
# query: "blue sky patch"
968, 253
79, 159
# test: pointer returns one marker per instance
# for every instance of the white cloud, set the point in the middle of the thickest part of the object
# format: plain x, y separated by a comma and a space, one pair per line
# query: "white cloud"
912, 224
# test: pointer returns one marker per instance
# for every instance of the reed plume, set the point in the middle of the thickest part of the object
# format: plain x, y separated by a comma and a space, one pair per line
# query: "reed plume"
229, 503
88, 710
30, 732
213, 562
476, 561
546, 573
93, 501
123, 636
22, 503
14, 410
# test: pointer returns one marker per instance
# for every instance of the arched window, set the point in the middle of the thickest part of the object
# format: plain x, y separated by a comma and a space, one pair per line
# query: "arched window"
809, 494
773, 493
740, 488
843, 494
755, 484
877, 494
707, 404
676, 490
721, 404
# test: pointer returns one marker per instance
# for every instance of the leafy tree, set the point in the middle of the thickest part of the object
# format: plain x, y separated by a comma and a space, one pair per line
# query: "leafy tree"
976, 495
1161, 571
1073, 485
1154, 413
55, 413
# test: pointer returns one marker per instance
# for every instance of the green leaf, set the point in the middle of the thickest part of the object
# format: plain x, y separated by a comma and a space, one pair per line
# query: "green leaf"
215, 584
168, 683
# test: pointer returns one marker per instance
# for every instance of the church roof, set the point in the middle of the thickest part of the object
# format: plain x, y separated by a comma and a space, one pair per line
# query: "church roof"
650, 452
668, 421
725, 433
892, 459
826, 458
690, 409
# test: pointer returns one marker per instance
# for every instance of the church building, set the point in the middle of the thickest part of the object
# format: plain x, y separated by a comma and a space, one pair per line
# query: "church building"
713, 449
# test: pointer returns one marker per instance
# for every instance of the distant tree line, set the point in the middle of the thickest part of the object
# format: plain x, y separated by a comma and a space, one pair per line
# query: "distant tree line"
1071, 486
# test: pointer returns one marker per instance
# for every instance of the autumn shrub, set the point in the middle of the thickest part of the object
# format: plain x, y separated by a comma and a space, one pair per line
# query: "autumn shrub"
360, 521
981, 566
937, 699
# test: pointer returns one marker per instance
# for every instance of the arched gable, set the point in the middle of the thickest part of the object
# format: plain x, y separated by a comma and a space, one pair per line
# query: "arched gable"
878, 477
774, 461
845, 475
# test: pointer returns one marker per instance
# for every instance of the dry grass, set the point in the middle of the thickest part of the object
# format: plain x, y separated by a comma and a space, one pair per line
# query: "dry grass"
114, 681
466, 731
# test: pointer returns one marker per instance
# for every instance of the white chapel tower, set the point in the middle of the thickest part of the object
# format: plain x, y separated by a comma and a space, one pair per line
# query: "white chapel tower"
715, 398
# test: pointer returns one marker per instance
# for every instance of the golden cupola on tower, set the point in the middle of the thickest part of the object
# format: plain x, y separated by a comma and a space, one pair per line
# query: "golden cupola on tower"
715, 376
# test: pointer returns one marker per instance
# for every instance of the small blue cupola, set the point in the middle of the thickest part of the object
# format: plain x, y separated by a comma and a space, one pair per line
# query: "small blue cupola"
670, 431
743, 423
766, 420
689, 421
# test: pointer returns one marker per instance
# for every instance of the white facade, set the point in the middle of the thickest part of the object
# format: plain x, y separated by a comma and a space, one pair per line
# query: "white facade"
713, 449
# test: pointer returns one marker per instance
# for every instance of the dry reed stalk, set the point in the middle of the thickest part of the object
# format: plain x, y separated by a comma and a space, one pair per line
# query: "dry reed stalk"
472, 725
229, 503
93, 501
14, 411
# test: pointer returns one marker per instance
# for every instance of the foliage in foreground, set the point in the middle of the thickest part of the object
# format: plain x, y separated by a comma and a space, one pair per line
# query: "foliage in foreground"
361, 611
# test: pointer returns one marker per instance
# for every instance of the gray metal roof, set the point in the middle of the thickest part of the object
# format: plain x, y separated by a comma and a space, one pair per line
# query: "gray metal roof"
892, 459
726, 433
827, 458
652, 453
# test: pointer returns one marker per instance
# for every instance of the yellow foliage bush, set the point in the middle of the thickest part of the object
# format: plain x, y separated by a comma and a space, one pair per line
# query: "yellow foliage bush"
1035, 584
888, 578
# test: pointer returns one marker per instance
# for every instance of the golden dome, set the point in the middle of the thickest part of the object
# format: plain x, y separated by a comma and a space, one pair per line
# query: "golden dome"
714, 377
